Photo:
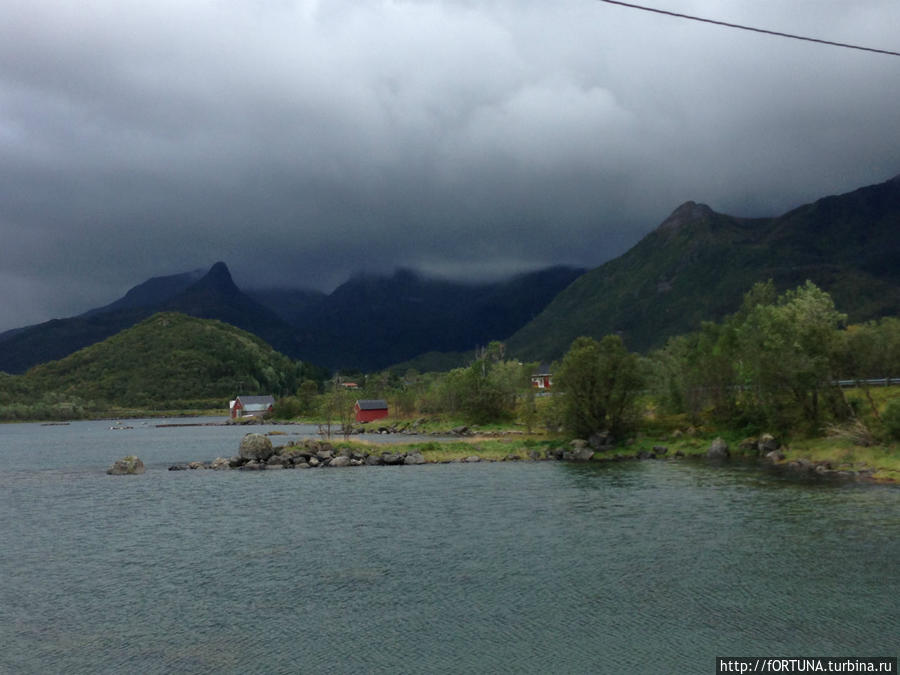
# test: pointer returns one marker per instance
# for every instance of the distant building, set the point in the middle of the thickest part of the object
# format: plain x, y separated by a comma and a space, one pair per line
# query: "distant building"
370, 409
251, 406
542, 378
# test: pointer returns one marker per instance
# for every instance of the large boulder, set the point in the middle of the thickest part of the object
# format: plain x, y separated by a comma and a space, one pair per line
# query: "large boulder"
775, 456
256, 447
414, 457
579, 454
768, 443
718, 449
392, 458
601, 440
127, 466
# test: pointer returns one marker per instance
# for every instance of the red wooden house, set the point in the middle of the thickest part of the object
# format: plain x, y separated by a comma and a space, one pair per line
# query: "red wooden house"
370, 409
543, 378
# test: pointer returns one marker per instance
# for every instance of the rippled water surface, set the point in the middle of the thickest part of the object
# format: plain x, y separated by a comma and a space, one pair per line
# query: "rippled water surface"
651, 567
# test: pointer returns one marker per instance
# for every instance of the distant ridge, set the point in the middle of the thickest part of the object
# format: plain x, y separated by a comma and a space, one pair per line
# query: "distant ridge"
698, 264
209, 296
151, 293
375, 321
369, 322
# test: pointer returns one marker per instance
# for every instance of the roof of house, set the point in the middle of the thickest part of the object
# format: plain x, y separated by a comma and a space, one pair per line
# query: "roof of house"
372, 404
247, 401
543, 369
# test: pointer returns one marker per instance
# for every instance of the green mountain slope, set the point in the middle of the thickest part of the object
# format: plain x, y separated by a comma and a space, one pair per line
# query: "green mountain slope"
209, 296
698, 264
164, 361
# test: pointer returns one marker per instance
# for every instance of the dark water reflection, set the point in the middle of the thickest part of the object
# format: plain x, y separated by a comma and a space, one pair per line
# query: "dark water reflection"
516, 567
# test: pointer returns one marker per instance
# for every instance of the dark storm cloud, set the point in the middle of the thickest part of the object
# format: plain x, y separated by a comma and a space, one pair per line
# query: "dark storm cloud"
301, 141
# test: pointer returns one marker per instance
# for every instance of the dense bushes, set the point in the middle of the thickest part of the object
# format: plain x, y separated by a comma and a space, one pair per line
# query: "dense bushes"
776, 363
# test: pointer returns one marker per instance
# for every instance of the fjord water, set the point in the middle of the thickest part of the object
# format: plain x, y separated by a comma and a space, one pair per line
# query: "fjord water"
641, 567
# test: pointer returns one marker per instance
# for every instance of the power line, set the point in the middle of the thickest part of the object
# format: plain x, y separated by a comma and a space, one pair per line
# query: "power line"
750, 28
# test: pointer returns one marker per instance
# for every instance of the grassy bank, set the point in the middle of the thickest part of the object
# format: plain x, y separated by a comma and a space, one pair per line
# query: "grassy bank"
880, 463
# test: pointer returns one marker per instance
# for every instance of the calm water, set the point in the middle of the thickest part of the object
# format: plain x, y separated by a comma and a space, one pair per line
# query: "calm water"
652, 567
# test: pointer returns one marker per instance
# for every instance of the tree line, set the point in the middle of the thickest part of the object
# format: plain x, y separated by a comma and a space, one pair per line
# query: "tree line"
771, 366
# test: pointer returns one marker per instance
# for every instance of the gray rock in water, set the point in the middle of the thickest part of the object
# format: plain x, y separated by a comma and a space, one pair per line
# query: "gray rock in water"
601, 439
580, 454
718, 449
373, 460
660, 450
127, 466
414, 457
767, 444
256, 447
472, 459
340, 460
391, 458
220, 464
775, 456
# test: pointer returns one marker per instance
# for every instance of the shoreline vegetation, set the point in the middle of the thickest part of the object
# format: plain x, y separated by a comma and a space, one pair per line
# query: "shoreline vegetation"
827, 458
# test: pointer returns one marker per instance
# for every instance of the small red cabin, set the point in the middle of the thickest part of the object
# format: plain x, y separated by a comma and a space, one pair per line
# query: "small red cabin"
368, 410
543, 378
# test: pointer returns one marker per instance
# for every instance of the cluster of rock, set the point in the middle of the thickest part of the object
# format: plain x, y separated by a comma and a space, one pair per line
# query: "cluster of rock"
256, 453
127, 466
768, 448
412, 429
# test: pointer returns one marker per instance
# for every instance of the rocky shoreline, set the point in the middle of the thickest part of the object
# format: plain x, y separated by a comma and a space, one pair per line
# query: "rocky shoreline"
257, 453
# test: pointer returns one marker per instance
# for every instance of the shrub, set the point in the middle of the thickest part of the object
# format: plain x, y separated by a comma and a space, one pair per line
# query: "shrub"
891, 419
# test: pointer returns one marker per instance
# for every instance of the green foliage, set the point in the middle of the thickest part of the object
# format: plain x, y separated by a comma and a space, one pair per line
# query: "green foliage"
871, 350
770, 365
697, 265
786, 354
485, 391
600, 382
890, 418
164, 362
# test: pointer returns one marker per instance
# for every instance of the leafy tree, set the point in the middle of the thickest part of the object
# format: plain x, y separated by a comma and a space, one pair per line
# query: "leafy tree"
786, 358
600, 382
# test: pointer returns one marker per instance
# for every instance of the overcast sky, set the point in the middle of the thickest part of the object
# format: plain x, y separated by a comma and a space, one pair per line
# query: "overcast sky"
302, 141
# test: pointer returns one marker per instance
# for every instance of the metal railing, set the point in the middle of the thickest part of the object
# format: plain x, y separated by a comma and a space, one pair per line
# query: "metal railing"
870, 382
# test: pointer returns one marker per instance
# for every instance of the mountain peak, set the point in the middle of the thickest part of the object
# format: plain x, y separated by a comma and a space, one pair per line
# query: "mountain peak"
218, 278
686, 213
219, 272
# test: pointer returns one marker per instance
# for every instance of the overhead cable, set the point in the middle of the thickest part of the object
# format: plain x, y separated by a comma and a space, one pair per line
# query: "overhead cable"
750, 28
